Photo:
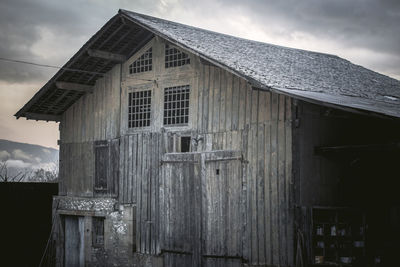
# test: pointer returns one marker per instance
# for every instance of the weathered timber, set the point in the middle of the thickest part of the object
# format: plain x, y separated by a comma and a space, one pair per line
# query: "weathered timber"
211, 206
74, 87
45, 117
106, 55
357, 148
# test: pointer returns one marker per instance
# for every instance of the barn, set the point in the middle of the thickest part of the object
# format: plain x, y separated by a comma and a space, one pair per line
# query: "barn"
185, 147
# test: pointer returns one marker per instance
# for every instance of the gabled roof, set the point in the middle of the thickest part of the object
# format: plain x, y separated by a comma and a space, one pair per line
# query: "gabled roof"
314, 77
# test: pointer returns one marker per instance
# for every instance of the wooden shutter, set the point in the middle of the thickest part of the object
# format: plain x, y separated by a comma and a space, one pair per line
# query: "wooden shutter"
101, 150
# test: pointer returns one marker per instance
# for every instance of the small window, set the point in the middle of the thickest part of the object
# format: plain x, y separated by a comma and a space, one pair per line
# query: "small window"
139, 109
176, 105
175, 57
185, 144
98, 231
142, 64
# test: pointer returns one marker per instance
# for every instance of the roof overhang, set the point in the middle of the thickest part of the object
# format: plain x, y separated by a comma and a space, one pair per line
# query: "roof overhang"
116, 41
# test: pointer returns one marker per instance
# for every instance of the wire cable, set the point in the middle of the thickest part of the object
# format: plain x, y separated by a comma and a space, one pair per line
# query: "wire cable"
48, 66
58, 67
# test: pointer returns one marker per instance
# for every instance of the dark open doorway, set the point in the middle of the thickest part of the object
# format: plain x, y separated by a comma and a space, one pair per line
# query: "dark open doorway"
25, 221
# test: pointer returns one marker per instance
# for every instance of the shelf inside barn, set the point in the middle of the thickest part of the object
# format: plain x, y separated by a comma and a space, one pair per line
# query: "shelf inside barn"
338, 236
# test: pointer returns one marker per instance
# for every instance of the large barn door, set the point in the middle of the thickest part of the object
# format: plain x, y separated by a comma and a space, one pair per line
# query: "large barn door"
202, 209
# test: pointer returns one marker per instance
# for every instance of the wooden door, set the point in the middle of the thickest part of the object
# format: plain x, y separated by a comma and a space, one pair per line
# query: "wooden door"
202, 204
222, 216
74, 241
180, 171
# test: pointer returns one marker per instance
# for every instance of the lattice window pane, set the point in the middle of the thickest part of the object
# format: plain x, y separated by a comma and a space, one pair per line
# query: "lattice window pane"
142, 64
176, 105
139, 109
174, 57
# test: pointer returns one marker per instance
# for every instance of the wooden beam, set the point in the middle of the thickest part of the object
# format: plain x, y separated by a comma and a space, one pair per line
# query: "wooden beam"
320, 150
42, 117
75, 87
106, 55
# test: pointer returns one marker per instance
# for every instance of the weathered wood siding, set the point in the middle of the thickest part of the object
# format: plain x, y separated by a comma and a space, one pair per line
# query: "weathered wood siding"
76, 169
225, 114
139, 184
95, 116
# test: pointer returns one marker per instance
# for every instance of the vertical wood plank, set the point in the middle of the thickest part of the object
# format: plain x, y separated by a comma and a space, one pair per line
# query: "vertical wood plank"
241, 107
139, 175
274, 183
236, 85
216, 100
260, 178
253, 188
211, 97
222, 111
200, 100
245, 198
248, 105
129, 184
289, 182
282, 182
254, 106
267, 189
228, 101
121, 171
206, 99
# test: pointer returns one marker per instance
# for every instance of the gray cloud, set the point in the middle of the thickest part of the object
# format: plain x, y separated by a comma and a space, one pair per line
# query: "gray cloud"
365, 24
369, 24
26, 26
21, 155
23, 24
19, 164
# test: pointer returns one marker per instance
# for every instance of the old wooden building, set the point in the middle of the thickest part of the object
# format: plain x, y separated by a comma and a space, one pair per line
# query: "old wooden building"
185, 147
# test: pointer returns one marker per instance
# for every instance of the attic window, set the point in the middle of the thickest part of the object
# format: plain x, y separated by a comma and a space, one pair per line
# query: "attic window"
139, 109
175, 57
176, 105
142, 64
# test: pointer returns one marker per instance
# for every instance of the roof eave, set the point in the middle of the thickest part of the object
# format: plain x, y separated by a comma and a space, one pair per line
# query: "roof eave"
22, 112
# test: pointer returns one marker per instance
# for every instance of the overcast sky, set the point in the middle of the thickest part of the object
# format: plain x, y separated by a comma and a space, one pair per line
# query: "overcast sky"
366, 32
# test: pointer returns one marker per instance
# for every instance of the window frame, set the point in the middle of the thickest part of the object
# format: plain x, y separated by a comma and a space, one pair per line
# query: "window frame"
136, 56
139, 59
180, 125
188, 60
138, 90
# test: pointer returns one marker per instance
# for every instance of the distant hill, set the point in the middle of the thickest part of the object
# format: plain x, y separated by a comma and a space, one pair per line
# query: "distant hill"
27, 162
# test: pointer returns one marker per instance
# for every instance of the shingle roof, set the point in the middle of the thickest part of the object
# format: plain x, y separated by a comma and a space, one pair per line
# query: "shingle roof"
303, 74
314, 77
